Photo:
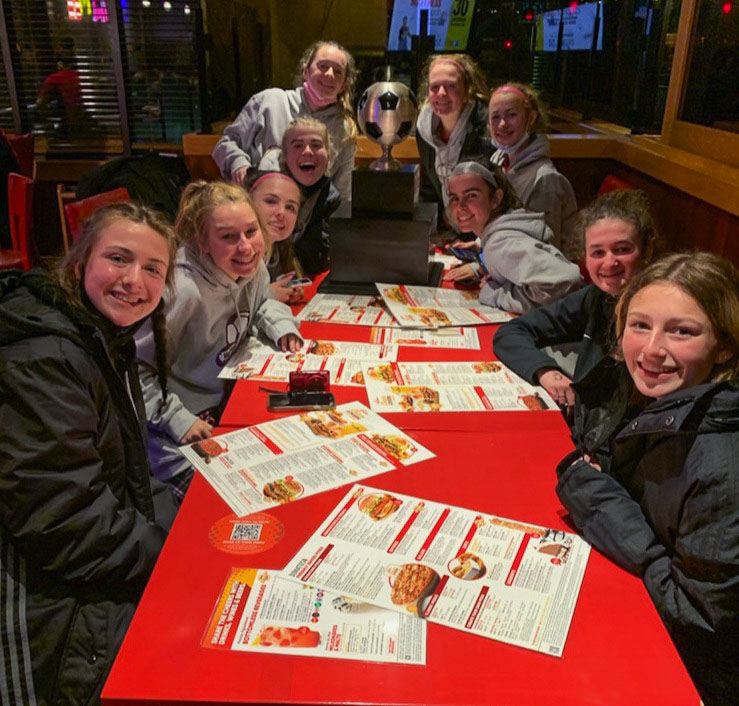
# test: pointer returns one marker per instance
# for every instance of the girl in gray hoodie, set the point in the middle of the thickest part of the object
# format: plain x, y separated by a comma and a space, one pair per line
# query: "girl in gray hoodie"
222, 294
521, 268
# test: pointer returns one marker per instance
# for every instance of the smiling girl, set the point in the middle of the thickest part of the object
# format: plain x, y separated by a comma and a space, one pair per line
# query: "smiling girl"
653, 482
452, 122
222, 289
518, 125
81, 519
522, 269
617, 237
325, 83
306, 154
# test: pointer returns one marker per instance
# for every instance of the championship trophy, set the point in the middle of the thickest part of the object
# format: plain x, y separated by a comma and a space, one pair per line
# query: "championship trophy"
384, 234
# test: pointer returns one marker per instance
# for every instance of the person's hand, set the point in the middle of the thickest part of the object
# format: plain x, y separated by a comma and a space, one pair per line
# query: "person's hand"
589, 460
464, 245
459, 272
200, 429
239, 175
285, 294
559, 386
290, 342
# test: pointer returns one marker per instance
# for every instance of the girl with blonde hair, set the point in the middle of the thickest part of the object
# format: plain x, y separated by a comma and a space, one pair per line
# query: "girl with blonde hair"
324, 90
222, 289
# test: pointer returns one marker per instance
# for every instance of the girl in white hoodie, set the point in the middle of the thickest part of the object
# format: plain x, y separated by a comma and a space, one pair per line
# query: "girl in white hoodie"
520, 268
518, 124
222, 294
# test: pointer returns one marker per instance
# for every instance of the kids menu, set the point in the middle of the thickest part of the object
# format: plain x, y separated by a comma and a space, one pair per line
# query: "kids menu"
491, 576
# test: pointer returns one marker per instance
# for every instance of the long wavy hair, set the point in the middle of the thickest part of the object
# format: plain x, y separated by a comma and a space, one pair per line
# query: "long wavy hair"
345, 98
712, 282
473, 77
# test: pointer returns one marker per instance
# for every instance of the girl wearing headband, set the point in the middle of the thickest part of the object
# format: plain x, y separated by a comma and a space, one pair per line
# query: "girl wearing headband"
82, 521
306, 155
523, 270
222, 289
324, 90
452, 122
653, 481
518, 129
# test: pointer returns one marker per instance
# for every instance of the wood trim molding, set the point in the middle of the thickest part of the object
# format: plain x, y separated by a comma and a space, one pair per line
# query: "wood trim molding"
721, 145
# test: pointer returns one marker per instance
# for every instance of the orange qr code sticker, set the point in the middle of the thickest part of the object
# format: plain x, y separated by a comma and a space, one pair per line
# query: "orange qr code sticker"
246, 535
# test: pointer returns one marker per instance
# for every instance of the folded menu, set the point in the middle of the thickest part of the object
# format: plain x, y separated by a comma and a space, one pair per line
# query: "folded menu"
347, 309
498, 578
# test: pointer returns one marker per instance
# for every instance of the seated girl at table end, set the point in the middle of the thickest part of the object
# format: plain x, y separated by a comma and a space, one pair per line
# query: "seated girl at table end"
523, 270
653, 481
617, 237
222, 294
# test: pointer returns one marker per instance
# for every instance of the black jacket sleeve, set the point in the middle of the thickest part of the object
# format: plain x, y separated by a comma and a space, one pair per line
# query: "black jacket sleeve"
517, 343
59, 495
311, 248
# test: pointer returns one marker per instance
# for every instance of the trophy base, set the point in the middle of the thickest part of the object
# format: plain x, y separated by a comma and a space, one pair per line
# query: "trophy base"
386, 193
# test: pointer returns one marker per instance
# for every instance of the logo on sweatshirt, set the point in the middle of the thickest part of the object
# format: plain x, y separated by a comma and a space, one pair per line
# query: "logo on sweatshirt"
237, 328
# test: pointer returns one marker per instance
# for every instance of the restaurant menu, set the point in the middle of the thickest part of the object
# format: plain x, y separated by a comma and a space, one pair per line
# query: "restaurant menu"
347, 309
431, 307
260, 361
280, 461
494, 577
450, 387
260, 611
451, 337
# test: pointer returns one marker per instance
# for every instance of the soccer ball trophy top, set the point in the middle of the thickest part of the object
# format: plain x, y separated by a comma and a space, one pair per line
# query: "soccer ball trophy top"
386, 113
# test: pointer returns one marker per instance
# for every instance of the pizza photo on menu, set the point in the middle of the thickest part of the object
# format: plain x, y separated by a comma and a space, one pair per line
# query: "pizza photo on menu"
396, 294
331, 423
410, 584
322, 348
208, 449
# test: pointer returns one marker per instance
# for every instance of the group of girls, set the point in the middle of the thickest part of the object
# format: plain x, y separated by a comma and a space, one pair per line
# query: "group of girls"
652, 482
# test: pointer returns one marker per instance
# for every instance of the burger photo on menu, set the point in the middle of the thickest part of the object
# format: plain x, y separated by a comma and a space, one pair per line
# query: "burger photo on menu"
417, 398
396, 446
430, 317
322, 348
331, 424
283, 490
383, 373
411, 584
487, 366
378, 506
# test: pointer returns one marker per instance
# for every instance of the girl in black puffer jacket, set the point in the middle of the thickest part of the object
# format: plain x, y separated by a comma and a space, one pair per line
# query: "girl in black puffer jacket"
653, 483
81, 521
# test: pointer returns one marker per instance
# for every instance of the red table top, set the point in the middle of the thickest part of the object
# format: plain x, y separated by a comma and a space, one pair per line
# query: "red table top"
617, 651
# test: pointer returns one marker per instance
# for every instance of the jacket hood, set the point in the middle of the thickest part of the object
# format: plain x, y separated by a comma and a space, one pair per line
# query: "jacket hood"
428, 122
521, 221
535, 151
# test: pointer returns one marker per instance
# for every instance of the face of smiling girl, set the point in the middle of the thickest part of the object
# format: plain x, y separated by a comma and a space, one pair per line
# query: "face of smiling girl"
234, 240
327, 72
669, 342
277, 200
471, 204
306, 156
509, 119
446, 94
612, 254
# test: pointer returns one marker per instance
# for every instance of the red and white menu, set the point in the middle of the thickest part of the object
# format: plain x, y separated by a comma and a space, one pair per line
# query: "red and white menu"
491, 576
260, 611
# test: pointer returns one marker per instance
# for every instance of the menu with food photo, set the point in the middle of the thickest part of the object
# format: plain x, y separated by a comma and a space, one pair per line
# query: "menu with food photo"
342, 359
278, 462
432, 307
498, 578
482, 386
258, 610
347, 309
451, 337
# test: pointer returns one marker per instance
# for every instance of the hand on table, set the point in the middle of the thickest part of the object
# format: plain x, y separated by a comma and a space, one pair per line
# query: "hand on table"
459, 272
559, 386
290, 342
199, 430
464, 245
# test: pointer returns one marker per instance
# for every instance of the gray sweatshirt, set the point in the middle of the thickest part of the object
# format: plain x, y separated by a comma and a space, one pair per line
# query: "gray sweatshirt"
208, 318
525, 270
261, 124
542, 188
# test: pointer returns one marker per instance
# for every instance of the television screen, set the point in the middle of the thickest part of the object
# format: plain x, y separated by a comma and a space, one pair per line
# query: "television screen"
579, 22
448, 20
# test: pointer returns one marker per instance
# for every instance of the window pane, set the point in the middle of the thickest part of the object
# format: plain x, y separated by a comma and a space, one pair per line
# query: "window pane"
711, 97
